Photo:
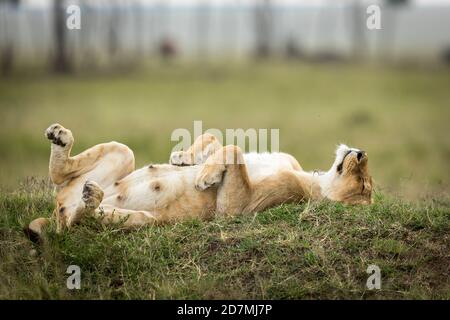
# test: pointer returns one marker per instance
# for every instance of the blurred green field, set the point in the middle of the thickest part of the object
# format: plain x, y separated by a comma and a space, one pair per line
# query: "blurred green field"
399, 116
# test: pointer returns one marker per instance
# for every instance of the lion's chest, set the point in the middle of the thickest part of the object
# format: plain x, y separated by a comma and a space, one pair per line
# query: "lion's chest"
262, 165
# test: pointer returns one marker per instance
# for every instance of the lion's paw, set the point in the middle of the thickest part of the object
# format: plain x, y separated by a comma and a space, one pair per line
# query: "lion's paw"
208, 176
59, 135
181, 158
92, 195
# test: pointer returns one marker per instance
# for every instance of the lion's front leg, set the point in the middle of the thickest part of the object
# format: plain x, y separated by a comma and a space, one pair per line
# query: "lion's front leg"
226, 169
204, 146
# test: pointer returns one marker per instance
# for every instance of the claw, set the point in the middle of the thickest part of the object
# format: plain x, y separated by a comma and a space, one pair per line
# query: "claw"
50, 135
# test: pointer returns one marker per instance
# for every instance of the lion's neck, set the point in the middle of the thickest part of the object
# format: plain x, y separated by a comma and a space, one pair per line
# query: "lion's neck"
325, 180
317, 184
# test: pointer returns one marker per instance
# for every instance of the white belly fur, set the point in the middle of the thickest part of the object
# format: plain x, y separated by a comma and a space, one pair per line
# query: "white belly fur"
261, 165
151, 189
173, 182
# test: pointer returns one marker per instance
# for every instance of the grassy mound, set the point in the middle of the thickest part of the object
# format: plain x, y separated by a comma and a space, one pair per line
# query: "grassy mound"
311, 250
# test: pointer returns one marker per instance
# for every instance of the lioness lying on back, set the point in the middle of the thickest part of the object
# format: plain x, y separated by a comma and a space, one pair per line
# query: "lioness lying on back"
206, 179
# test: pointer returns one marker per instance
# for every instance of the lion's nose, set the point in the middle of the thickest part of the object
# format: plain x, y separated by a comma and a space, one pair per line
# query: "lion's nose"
360, 155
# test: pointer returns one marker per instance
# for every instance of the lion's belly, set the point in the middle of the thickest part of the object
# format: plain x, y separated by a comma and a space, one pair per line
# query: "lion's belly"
172, 188
160, 187
262, 165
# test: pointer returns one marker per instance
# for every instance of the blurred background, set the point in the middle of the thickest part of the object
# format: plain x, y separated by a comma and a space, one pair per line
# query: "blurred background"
137, 70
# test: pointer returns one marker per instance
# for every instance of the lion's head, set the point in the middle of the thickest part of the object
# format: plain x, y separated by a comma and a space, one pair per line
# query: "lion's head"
349, 180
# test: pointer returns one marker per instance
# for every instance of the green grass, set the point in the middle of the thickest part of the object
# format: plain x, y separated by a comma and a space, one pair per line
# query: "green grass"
306, 251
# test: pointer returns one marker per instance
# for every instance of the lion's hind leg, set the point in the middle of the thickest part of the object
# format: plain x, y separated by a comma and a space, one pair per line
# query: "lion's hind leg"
63, 167
105, 164
35, 229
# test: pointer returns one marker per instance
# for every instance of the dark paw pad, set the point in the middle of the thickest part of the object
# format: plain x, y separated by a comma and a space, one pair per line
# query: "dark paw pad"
32, 235
58, 142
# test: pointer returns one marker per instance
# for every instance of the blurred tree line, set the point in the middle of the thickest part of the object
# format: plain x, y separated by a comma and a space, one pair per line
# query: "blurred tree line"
115, 16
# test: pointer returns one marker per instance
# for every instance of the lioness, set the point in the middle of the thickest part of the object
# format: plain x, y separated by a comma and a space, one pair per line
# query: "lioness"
206, 179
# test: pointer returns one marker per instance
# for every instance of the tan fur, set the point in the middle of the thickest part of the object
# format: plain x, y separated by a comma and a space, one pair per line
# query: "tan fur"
355, 187
102, 182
